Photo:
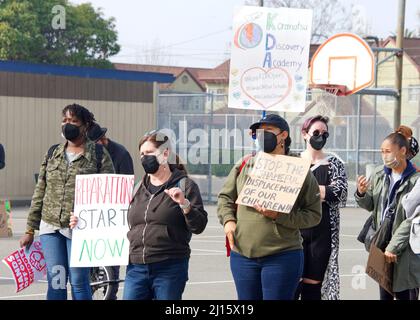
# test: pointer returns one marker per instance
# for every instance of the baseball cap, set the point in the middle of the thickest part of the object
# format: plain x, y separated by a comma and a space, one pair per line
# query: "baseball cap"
272, 119
96, 132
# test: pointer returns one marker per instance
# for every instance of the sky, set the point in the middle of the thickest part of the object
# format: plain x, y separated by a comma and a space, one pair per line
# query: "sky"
197, 33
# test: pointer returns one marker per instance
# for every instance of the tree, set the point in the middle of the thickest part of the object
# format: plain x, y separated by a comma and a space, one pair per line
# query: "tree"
155, 53
28, 33
329, 17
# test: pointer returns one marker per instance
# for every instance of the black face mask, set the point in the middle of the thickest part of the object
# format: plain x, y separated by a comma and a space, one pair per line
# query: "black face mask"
317, 140
267, 141
150, 164
70, 131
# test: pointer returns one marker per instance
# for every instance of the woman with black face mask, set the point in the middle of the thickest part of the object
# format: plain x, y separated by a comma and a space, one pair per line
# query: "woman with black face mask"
267, 257
321, 275
53, 202
165, 211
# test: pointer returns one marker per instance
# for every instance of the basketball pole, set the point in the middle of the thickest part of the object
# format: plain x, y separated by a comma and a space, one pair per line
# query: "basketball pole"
399, 62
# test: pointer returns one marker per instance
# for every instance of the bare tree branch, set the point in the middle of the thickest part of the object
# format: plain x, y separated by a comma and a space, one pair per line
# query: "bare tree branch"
329, 17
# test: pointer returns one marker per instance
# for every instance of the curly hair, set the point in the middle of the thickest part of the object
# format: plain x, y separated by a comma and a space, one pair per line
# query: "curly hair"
83, 114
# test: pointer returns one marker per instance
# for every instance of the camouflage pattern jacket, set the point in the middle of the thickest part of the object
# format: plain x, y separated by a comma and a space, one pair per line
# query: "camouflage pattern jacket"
53, 198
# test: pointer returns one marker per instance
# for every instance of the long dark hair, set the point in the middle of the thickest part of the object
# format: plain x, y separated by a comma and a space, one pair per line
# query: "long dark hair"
159, 140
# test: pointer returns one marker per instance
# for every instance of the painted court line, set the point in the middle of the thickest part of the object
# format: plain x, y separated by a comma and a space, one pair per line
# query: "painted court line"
208, 241
206, 250
122, 287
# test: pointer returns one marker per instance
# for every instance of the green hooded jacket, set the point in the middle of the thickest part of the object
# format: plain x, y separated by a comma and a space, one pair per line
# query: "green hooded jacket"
258, 236
407, 268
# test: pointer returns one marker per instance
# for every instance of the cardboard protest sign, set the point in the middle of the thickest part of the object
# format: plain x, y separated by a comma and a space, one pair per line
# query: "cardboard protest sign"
27, 266
5, 224
380, 270
101, 205
269, 58
274, 182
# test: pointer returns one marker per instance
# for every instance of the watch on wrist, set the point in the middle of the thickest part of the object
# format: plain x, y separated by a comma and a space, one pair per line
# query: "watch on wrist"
186, 205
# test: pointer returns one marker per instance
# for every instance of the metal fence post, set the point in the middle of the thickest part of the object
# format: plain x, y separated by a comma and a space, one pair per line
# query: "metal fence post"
209, 178
359, 125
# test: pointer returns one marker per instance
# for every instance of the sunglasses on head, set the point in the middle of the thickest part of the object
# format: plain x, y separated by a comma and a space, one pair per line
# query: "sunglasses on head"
316, 133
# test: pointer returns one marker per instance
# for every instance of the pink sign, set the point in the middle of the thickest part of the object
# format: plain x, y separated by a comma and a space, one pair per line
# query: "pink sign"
27, 266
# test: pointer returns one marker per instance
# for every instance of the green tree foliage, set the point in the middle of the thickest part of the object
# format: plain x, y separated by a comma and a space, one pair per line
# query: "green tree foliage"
27, 33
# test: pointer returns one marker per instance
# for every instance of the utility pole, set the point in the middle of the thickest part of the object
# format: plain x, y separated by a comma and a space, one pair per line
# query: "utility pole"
399, 62
261, 4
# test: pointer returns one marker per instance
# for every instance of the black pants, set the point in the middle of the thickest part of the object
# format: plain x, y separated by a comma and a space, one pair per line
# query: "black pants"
412, 294
114, 289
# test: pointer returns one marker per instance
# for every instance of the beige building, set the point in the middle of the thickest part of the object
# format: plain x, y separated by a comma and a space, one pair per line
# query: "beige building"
210, 81
33, 96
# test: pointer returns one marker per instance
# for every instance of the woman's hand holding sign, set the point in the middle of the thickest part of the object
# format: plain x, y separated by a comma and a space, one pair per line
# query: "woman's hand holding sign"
390, 257
266, 212
73, 221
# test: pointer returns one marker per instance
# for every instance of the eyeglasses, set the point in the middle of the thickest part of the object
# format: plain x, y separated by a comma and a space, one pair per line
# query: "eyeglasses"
316, 133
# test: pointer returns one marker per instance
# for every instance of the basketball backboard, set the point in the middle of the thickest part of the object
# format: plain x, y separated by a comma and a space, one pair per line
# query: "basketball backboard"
342, 65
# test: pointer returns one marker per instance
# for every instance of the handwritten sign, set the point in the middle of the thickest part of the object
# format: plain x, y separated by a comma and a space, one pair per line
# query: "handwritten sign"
27, 266
379, 270
274, 182
101, 205
269, 60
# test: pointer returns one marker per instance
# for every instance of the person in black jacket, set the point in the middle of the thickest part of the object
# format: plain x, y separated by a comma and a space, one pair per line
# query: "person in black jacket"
165, 210
2, 157
123, 163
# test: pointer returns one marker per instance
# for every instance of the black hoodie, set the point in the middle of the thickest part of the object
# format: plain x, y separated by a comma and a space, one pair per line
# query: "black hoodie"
159, 229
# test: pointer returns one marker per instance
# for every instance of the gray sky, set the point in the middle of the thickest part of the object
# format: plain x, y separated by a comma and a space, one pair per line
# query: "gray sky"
197, 33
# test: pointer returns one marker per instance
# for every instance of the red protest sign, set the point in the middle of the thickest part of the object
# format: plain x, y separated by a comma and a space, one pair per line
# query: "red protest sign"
27, 266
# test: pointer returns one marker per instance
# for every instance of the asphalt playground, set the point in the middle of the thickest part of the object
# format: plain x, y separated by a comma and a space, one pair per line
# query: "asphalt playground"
209, 273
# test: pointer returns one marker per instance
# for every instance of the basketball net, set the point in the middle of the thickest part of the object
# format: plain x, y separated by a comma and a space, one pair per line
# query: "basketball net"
326, 99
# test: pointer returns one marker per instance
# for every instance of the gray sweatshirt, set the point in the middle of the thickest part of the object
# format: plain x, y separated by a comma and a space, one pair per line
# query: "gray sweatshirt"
411, 202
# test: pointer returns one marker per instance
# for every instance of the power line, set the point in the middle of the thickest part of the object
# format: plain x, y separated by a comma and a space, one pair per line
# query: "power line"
191, 40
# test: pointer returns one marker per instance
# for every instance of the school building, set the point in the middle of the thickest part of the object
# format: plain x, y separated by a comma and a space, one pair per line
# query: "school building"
32, 97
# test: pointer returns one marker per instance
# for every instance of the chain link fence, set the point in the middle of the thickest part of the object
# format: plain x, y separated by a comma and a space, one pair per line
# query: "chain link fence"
211, 138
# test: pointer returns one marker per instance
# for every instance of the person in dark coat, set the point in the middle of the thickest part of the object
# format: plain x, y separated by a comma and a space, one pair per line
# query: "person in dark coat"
2, 157
123, 164
121, 158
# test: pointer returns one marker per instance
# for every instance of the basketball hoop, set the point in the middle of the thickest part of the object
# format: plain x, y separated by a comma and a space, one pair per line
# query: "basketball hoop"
334, 89
342, 65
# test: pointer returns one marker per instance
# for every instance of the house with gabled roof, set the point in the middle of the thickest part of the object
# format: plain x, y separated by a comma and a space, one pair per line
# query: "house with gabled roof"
410, 94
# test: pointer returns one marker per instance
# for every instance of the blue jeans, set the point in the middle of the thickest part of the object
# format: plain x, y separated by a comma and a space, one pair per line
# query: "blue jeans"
56, 249
273, 277
164, 280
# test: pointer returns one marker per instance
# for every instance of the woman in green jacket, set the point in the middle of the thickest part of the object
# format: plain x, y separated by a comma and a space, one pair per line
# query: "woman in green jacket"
385, 191
267, 254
